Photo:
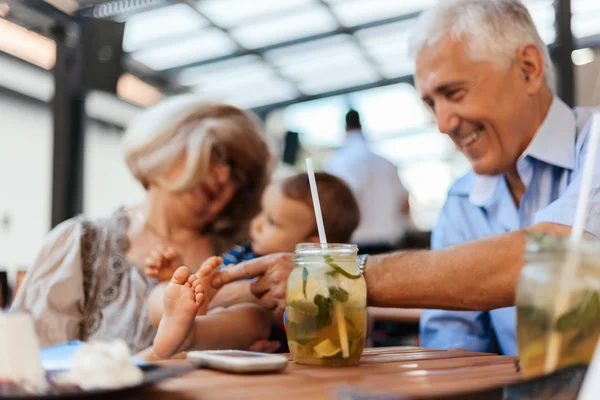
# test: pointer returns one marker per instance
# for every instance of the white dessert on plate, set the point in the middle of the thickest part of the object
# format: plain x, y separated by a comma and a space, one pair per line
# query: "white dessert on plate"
20, 360
103, 365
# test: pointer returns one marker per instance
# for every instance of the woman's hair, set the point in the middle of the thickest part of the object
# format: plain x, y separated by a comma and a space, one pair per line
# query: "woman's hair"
186, 128
494, 30
341, 214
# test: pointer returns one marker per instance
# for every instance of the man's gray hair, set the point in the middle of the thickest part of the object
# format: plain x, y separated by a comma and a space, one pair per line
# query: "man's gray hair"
494, 30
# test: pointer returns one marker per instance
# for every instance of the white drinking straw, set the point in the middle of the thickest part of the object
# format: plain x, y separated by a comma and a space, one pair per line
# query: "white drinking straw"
315, 197
339, 312
572, 262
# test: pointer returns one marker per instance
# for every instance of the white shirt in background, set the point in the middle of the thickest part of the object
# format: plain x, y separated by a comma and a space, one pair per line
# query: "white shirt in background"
378, 190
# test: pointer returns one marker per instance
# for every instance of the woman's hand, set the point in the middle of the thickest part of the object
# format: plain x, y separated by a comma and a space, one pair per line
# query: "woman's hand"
162, 263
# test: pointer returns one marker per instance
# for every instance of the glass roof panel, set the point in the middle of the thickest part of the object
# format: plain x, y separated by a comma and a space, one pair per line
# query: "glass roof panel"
339, 59
196, 75
263, 95
144, 28
205, 44
388, 46
233, 80
261, 90
542, 13
337, 79
395, 69
582, 6
306, 52
229, 13
586, 24
356, 12
586, 17
312, 21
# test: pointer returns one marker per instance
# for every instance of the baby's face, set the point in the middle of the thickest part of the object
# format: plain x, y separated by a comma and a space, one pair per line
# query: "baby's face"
281, 224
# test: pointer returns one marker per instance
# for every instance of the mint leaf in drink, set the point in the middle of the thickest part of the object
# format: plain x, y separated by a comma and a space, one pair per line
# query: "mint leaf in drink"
340, 270
323, 317
339, 294
302, 332
584, 316
304, 279
536, 316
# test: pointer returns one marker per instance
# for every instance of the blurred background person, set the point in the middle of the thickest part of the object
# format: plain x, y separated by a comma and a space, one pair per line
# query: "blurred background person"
383, 201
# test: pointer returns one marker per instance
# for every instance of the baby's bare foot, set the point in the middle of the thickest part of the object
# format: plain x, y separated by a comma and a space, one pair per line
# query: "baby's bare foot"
183, 297
206, 274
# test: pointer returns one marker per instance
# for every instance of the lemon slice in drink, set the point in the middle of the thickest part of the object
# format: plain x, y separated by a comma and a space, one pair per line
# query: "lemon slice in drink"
326, 349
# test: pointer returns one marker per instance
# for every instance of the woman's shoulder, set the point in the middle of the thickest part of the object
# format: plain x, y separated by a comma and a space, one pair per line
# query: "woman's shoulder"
91, 230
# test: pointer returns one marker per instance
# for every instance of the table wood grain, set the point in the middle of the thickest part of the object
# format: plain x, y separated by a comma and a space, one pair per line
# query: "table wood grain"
411, 372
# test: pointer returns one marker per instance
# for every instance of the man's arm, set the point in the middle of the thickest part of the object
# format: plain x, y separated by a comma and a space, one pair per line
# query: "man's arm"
478, 275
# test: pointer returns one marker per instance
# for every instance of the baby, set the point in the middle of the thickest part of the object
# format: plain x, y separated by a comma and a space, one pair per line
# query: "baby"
286, 219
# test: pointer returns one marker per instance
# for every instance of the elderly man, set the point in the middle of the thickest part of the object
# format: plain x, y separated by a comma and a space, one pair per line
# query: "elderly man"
484, 71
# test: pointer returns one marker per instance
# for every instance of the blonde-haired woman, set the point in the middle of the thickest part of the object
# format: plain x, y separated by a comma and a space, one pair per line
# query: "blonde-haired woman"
204, 167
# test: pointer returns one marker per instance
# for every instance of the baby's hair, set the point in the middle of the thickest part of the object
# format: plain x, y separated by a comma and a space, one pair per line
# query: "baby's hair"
341, 214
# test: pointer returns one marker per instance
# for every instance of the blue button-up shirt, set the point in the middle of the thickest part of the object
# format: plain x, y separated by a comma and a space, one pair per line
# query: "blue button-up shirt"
480, 206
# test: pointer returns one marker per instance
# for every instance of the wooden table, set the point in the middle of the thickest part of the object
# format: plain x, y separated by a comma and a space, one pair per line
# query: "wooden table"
403, 371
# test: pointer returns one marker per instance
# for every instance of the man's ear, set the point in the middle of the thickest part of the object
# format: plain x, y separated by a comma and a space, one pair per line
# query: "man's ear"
530, 62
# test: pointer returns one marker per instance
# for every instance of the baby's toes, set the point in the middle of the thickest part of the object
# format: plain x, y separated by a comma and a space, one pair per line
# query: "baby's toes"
211, 266
198, 287
199, 298
191, 280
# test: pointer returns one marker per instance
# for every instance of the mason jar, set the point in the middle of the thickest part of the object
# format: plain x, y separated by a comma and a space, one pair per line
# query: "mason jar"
577, 327
326, 305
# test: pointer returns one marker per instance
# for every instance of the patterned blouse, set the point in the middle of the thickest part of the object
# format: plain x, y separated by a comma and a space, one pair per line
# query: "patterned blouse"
81, 287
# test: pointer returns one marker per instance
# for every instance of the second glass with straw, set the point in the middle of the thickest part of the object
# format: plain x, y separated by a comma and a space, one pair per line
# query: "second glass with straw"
326, 307
558, 295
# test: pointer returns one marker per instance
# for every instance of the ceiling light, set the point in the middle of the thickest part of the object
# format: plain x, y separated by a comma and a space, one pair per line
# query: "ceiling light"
583, 56
134, 90
27, 45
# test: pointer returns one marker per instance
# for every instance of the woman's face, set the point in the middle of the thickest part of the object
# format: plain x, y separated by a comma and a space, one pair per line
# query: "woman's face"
201, 204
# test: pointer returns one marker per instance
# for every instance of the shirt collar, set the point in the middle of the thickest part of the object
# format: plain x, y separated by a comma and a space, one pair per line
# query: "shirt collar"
553, 143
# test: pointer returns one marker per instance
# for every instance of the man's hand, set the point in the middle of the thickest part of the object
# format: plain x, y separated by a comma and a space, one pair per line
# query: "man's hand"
272, 272
265, 346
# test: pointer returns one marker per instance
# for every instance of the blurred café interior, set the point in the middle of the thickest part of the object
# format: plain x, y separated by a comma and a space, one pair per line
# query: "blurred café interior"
75, 73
